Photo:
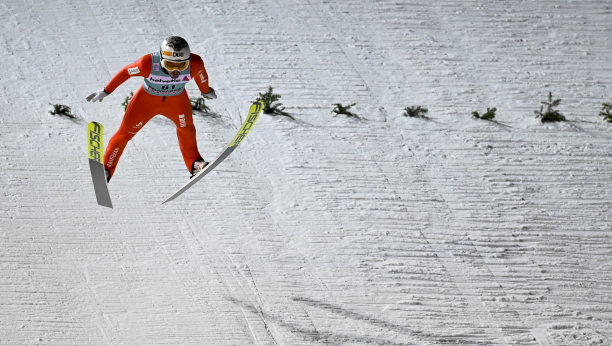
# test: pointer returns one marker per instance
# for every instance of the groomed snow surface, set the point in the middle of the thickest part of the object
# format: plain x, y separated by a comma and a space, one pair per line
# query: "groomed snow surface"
384, 230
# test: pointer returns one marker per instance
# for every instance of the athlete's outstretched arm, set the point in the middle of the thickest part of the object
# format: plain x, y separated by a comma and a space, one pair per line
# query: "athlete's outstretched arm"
141, 68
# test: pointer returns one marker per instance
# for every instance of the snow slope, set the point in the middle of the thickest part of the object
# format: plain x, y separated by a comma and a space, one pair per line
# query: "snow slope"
325, 230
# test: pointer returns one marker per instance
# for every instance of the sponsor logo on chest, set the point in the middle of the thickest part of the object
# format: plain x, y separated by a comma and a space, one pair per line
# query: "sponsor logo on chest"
166, 79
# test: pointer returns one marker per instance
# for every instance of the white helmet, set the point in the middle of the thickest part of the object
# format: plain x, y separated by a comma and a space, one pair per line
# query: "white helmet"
175, 53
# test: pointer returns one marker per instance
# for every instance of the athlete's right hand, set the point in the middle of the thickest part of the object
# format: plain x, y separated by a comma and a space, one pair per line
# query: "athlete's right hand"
97, 95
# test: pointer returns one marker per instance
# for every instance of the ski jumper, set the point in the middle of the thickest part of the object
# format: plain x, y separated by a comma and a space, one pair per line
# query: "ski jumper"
159, 94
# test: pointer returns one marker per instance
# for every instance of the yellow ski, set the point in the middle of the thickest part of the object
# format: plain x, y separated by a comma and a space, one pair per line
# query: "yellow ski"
96, 163
246, 127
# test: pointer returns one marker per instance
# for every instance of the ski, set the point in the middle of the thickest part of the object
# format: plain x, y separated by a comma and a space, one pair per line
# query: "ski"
96, 164
254, 112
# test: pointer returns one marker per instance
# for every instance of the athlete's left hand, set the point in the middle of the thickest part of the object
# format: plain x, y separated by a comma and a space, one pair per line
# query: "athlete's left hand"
210, 95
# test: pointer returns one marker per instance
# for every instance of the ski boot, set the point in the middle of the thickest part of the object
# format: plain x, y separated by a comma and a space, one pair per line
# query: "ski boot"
197, 167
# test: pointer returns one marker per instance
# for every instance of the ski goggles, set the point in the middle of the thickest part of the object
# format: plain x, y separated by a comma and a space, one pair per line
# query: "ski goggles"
175, 65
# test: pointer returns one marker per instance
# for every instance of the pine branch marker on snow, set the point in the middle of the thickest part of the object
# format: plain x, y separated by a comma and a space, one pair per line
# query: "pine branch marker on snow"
62, 110
415, 112
490, 114
268, 98
340, 109
551, 114
605, 112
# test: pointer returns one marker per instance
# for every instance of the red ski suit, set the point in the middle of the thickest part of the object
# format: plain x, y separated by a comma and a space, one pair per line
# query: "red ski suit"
144, 106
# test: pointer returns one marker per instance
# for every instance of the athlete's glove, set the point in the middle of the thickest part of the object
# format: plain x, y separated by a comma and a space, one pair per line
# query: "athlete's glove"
97, 95
210, 95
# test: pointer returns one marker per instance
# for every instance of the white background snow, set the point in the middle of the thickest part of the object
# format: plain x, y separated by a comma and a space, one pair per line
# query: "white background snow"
326, 230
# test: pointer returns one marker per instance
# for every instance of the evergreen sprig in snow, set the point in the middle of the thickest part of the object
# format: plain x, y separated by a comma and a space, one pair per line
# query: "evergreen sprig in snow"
605, 112
490, 114
340, 109
199, 104
268, 98
126, 102
62, 110
415, 112
550, 114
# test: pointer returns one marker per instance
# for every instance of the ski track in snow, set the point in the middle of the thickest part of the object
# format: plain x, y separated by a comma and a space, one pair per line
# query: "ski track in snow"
384, 230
